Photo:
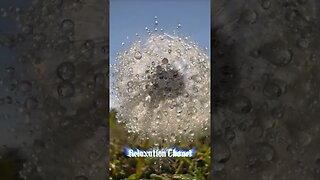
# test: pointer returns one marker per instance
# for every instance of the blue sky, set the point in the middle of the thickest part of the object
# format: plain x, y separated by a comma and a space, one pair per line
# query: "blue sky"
128, 17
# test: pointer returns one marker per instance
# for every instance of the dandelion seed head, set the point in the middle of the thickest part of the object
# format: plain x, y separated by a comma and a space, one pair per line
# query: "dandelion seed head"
163, 88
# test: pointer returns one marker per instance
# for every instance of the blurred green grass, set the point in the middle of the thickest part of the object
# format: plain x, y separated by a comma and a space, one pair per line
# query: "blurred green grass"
121, 167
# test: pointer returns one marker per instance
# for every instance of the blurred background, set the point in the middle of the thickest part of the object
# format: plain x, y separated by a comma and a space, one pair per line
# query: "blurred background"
53, 83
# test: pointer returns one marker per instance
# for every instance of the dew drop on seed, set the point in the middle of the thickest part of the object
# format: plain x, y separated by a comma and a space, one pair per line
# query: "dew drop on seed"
137, 55
130, 90
130, 84
165, 61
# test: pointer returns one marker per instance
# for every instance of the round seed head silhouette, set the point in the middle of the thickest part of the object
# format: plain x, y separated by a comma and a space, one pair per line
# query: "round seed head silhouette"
163, 88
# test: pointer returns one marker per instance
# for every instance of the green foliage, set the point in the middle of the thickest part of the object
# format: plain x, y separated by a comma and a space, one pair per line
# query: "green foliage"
121, 167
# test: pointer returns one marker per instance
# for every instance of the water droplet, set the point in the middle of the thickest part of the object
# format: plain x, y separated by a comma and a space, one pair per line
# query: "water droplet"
272, 90
303, 138
130, 84
130, 90
66, 71
196, 78
179, 109
276, 53
67, 25
165, 61
66, 89
137, 55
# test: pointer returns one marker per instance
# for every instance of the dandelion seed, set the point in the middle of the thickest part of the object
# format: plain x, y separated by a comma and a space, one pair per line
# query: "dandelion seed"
172, 89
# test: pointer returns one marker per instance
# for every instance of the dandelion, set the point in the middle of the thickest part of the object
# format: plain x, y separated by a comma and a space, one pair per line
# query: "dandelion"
163, 88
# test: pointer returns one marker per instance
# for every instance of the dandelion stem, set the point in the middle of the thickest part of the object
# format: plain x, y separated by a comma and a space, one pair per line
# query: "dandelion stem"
179, 167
